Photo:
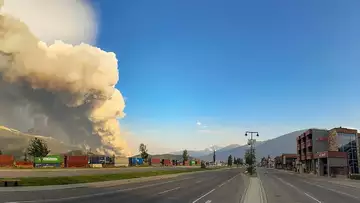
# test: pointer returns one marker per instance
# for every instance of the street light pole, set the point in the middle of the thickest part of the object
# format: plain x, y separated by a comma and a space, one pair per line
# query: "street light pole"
251, 147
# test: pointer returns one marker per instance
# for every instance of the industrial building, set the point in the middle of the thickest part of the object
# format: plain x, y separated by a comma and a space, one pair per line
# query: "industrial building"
328, 152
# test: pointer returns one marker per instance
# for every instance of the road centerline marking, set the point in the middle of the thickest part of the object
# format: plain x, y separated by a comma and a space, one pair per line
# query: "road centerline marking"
206, 194
313, 198
166, 191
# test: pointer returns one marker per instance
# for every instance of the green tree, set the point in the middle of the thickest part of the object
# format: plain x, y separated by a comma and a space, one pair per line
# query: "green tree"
240, 161
143, 152
250, 160
38, 148
235, 161
230, 160
185, 155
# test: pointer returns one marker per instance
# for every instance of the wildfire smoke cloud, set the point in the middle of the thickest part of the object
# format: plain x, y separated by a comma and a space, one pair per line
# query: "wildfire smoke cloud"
72, 86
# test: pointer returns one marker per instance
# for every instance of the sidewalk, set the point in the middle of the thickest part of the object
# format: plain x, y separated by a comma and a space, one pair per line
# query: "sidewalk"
255, 192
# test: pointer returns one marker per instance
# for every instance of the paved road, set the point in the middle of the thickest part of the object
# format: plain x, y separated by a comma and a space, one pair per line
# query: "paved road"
8, 173
284, 187
207, 187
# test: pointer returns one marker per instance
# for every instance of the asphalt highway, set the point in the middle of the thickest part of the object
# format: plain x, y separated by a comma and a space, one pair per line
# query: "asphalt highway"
285, 187
16, 173
222, 186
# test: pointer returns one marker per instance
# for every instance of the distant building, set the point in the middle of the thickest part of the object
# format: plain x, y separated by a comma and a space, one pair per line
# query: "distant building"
328, 152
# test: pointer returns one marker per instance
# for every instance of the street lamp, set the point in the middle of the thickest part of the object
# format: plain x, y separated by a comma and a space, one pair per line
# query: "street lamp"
214, 153
251, 143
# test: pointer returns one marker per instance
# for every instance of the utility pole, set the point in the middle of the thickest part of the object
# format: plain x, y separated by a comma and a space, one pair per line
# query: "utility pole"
251, 142
214, 153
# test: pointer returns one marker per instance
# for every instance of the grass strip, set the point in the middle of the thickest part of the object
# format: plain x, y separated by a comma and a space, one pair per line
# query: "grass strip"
41, 181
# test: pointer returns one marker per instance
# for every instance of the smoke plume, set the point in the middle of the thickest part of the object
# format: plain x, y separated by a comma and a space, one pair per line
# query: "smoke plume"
72, 86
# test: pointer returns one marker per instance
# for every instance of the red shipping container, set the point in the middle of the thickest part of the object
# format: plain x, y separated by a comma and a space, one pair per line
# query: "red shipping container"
77, 165
155, 161
76, 161
6, 160
186, 163
167, 162
24, 164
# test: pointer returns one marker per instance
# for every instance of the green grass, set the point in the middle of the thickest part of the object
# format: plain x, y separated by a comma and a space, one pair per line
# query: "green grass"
41, 181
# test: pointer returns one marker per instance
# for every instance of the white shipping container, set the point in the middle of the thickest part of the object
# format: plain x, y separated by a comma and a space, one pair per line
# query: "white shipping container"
121, 161
95, 165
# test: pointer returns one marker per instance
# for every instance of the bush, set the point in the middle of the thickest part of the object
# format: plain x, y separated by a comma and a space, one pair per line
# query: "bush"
250, 169
355, 176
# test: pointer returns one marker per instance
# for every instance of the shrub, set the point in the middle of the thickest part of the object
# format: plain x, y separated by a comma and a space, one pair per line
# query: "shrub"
355, 176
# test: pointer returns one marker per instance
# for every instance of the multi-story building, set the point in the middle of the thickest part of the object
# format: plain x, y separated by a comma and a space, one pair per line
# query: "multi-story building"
326, 152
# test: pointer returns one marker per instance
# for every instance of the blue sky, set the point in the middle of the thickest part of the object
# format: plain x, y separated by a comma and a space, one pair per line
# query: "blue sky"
267, 66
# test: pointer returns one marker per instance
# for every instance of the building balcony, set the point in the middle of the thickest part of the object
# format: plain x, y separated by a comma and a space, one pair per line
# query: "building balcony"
309, 155
308, 143
303, 157
298, 147
303, 145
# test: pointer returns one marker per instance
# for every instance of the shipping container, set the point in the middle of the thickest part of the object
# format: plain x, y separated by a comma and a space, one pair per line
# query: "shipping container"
192, 163
167, 162
76, 161
155, 162
50, 159
186, 163
48, 165
132, 161
121, 161
139, 161
96, 159
6, 160
95, 165
24, 164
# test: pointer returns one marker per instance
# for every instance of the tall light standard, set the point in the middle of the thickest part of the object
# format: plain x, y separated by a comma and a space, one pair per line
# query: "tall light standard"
214, 153
251, 142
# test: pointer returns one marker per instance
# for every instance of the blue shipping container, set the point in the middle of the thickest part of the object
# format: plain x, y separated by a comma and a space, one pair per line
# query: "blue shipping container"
52, 165
96, 159
140, 161
132, 161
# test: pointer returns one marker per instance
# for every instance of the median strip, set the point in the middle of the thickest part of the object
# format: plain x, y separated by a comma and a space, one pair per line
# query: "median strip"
42, 181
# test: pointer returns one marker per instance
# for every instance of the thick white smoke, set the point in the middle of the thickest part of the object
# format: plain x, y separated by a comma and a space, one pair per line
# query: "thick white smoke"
73, 86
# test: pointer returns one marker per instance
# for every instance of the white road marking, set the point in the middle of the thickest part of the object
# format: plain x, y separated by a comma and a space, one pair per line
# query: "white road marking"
332, 190
214, 188
209, 201
203, 196
318, 201
166, 191
199, 181
227, 181
97, 194
300, 191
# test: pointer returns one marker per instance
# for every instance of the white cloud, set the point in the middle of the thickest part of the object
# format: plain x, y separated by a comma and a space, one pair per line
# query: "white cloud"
198, 123
75, 21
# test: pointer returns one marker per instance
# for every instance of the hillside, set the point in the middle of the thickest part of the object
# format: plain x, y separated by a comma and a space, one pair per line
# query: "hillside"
165, 156
207, 151
15, 142
273, 147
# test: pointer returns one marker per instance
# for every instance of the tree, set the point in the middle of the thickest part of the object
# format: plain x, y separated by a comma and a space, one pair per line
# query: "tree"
0, 152
143, 152
235, 161
214, 157
230, 160
38, 148
240, 161
250, 159
185, 155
